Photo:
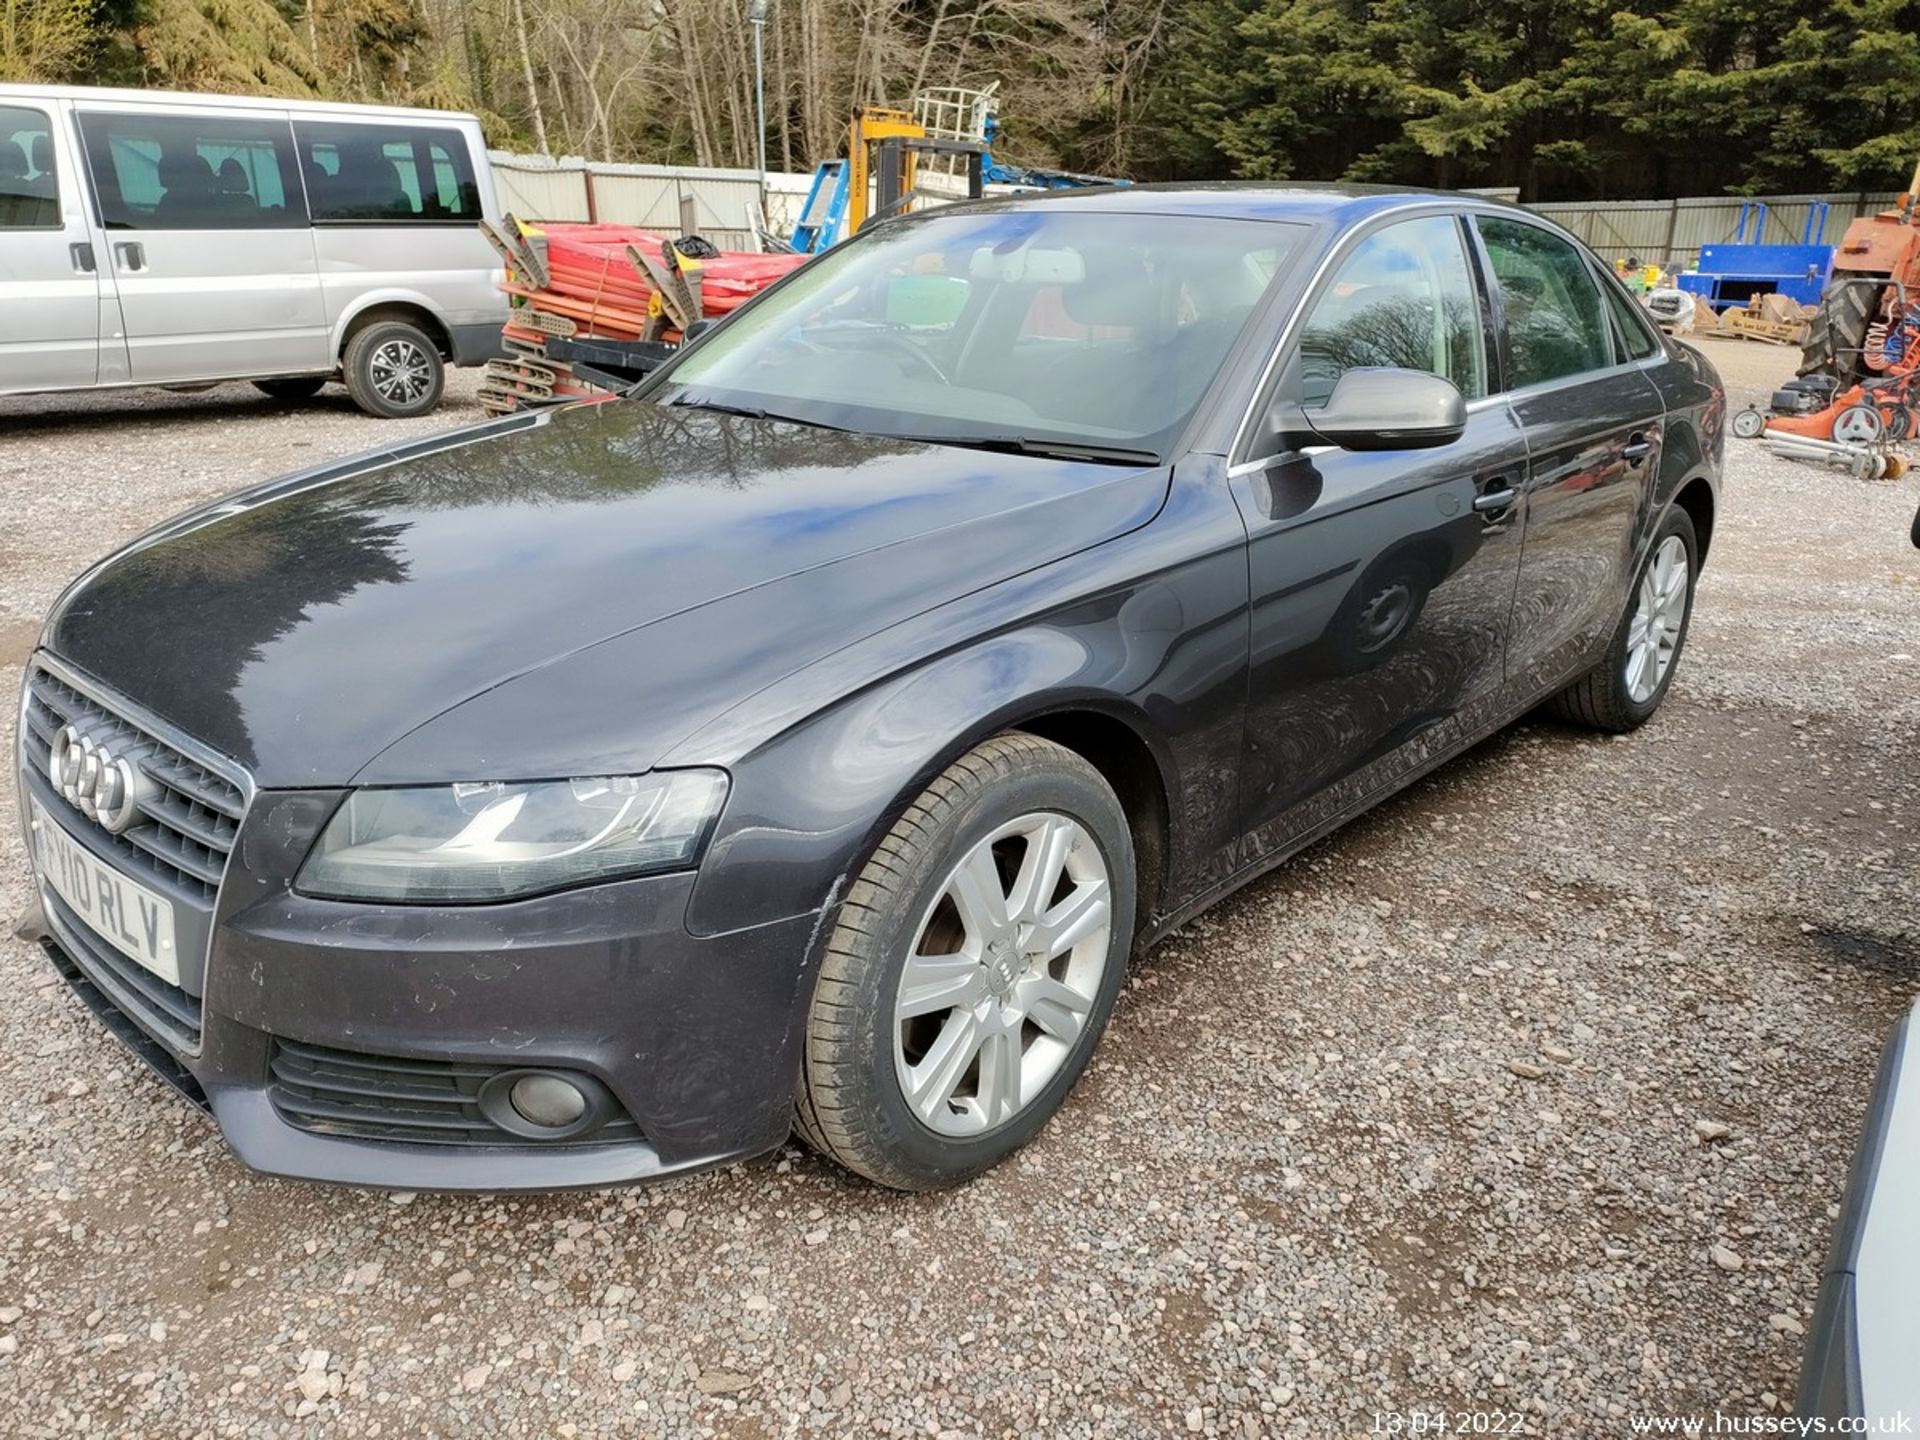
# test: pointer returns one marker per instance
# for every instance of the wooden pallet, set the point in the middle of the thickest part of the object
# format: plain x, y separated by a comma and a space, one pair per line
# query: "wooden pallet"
1749, 326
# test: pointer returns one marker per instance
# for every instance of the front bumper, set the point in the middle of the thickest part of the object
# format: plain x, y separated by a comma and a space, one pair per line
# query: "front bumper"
695, 1037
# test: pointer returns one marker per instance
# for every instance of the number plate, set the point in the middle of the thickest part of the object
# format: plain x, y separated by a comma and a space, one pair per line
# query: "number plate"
129, 917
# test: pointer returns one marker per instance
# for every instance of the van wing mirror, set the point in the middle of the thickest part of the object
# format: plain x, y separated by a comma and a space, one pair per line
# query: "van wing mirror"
1380, 408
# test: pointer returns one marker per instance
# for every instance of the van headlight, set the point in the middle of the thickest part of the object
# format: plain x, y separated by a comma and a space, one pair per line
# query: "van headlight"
454, 844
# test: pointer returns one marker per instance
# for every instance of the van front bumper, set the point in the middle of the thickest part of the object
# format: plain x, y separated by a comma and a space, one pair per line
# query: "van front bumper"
351, 1042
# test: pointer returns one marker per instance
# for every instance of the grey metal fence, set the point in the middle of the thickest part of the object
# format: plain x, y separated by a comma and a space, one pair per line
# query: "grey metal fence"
722, 205
1671, 232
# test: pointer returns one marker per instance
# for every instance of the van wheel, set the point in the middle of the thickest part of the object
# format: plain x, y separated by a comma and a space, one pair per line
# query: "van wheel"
393, 370
300, 387
974, 965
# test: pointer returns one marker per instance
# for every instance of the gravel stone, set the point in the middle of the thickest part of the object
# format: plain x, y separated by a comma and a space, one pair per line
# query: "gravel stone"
1224, 1222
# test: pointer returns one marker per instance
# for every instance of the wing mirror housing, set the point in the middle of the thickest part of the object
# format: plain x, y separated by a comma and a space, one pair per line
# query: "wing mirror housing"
1380, 408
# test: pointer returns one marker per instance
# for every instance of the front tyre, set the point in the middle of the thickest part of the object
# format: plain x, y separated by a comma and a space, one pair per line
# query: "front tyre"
393, 370
974, 965
1624, 689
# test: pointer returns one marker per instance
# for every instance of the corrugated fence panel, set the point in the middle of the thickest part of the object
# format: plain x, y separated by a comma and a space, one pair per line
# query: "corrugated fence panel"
1672, 231
726, 206
726, 203
536, 191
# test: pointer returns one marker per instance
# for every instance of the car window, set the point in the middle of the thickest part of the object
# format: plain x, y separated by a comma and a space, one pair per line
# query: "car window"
1555, 325
1403, 298
1044, 324
387, 174
192, 172
1635, 333
29, 191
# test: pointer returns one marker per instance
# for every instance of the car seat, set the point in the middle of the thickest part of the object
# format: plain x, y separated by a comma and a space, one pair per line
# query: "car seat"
189, 189
232, 189
23, 203
368, 186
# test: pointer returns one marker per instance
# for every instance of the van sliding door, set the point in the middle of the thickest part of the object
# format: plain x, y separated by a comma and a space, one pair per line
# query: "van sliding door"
208, 242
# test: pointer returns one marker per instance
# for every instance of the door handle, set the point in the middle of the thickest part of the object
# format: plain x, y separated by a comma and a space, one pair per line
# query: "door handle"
1489, 501
82, 254
1638, 447
133, 255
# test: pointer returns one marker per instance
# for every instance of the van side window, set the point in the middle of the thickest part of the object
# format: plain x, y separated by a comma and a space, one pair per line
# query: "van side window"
387, 174
192, 172
29, 193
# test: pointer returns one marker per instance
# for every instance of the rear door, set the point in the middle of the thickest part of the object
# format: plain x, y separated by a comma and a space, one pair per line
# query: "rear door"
397, 206
50, 289
207, 241
1593, 422
1382, 581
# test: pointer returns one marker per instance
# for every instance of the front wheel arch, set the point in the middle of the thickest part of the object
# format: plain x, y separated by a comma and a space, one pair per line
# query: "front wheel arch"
885, 744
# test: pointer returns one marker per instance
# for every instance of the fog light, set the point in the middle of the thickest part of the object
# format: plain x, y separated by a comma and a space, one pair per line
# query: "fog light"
547, 1100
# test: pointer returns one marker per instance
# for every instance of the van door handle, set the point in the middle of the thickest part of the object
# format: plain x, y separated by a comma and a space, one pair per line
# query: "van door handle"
133, 255
82, 254
1488, 501
1638, 447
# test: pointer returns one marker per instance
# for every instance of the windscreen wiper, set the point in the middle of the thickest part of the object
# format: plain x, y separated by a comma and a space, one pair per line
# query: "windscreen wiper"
1041, 446
749, 412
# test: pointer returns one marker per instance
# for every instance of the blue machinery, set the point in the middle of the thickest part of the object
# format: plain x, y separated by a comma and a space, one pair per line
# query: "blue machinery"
1731, 274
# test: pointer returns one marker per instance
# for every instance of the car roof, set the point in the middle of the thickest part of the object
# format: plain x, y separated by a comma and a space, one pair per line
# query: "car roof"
1300, 202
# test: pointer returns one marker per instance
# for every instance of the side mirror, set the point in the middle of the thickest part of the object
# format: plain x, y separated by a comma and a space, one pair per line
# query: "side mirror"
1388, 409
698, 328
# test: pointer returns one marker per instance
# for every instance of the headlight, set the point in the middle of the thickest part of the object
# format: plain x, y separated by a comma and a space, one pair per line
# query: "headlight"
495, 841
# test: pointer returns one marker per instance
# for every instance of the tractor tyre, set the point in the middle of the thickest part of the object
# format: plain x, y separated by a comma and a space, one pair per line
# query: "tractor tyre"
1838, 332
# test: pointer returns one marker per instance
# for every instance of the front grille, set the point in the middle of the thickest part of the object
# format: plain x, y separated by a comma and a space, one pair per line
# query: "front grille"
177, 846
185, 831
422, 1102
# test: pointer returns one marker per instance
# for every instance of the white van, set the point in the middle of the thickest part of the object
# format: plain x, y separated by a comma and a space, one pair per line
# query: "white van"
159, 239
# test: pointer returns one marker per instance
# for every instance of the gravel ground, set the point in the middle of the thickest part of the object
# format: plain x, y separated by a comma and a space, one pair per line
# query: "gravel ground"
1534, 1091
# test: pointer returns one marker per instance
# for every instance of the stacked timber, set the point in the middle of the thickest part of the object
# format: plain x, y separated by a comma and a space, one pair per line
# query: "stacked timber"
605, 282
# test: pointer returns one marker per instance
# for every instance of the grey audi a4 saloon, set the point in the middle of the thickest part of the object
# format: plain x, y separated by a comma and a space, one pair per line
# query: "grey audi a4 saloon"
809, 738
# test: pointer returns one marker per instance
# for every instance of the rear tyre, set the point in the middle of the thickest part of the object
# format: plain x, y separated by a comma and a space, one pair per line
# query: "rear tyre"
1624, 689
393, 370
303, 387
1838, 332
974, 965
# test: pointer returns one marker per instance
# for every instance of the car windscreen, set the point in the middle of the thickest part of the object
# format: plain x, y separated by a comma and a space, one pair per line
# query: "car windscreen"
1026, 326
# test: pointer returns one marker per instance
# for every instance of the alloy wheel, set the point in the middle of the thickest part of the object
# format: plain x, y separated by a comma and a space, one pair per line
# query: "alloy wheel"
1659, 614
1002, 975
401, 372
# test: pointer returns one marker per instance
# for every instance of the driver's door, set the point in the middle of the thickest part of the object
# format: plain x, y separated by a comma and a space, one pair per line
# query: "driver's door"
1382, 582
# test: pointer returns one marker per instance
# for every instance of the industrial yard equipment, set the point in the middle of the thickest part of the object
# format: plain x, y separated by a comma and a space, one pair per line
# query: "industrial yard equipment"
1734, 273
884, 151
947, 135
592, 307
1875, 267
